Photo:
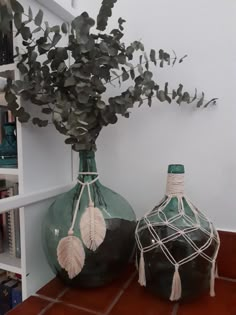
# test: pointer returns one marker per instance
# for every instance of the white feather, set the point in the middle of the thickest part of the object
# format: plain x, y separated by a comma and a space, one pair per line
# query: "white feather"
92, 228
71, 255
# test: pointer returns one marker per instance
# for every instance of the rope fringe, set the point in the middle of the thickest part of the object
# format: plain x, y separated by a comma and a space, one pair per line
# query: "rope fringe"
176, 291
142, 276
136, 261
212, 279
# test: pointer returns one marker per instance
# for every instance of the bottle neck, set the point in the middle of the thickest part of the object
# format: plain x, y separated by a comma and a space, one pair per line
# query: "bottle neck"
175, 185
87, 165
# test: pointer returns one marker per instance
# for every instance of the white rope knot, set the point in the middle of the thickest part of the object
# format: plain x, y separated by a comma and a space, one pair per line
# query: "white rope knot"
70, 232
83, 184
175, 185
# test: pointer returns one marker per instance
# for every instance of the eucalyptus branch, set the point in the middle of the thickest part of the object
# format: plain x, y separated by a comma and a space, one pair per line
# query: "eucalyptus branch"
135, 67
212, 101
96, 58
44, 30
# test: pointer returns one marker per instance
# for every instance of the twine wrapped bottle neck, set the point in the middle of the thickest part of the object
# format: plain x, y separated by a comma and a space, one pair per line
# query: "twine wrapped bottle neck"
175, 180
175, 185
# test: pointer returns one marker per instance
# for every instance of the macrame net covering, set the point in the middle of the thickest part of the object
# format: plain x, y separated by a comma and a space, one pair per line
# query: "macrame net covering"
193, 220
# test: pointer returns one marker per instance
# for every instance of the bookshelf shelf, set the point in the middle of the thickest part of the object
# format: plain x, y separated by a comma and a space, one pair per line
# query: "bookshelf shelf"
8, 67
10, 263
9, 171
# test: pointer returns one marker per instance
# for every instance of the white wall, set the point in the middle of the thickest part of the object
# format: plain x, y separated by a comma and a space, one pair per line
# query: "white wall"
45, 161
134, 154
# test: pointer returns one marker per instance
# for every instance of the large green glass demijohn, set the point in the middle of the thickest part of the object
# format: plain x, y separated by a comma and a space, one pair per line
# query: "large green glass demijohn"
177, 245
109, 259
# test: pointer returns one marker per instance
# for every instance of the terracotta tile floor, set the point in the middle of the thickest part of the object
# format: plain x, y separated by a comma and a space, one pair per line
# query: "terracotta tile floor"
123, 297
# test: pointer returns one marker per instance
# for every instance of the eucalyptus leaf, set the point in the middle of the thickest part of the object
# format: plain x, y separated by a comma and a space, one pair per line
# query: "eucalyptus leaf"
201, 100
153, 56
30, 14
55, 29
161, 96
56, 39
132, 74
100, 104
39, 18
17, 7
179, 90
71, 141
23, 69
212, 101
25, 32
36, 30
125, 75
70, 81
47, 110
64, 28
18, 20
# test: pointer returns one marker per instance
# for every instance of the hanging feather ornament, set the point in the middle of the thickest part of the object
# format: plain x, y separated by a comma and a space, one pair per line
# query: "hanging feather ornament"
70, 250
71, 255
92, 227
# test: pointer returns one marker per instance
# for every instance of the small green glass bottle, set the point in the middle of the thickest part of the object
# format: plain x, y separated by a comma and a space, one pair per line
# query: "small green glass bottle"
178, 245
105, 264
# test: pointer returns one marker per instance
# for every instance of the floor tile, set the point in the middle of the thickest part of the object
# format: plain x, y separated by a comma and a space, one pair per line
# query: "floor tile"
32, 306
98, 299
226, 261
60, 309
224, 303
52, 289
136, 300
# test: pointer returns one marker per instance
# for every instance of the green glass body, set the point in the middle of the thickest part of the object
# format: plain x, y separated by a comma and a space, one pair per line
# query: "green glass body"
105, 264
195, 275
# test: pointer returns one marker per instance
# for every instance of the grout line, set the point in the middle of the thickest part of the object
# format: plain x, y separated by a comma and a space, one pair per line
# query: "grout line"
62, 293
127, 283
45, 298
175, 309
123, 288
226, 279
54, 301
81, 308
114, 302
46, 308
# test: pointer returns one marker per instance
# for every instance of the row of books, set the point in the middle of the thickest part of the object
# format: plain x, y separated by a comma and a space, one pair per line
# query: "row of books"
10, 292
6, 48
10, 223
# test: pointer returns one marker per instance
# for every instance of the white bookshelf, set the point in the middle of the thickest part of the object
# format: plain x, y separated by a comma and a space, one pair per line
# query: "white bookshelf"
44, 171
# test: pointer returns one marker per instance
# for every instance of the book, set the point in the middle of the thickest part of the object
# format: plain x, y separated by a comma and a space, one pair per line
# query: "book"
13, 223
10, 224
16, 297
4, 193
6, 47
6, 295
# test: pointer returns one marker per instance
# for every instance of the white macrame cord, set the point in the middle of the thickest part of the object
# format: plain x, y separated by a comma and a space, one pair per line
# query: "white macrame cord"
175, 188
70, 250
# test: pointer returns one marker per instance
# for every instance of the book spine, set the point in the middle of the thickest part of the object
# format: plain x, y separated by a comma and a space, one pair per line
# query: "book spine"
4, 194
6, 295
16, 296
